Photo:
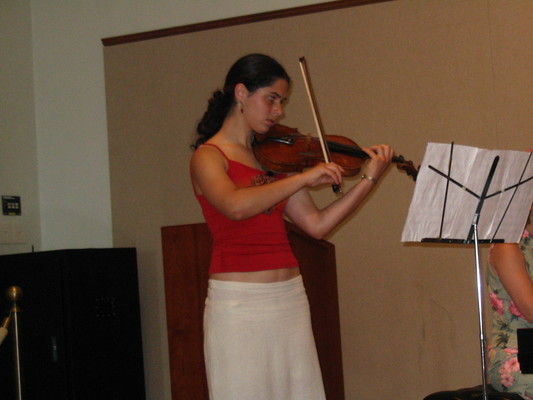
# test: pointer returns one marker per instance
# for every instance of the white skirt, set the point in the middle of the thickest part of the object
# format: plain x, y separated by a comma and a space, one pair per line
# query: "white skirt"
258, 342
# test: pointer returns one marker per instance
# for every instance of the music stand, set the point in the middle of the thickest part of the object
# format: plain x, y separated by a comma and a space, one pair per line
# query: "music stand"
463, 193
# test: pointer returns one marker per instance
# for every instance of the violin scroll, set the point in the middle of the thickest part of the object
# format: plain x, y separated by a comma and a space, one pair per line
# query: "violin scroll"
406, 165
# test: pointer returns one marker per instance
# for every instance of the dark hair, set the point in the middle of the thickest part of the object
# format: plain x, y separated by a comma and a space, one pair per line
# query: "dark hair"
254, 71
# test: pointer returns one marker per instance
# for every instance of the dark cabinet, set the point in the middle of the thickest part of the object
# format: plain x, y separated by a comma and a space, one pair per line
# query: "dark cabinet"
80, 328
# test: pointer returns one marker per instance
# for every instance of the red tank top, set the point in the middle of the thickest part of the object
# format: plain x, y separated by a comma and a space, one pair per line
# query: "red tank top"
254, 244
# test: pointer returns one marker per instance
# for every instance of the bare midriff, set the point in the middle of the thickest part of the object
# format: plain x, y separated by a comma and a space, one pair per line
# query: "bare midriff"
269, 276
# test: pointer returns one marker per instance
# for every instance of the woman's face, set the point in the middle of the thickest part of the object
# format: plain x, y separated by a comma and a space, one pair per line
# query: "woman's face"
264, 107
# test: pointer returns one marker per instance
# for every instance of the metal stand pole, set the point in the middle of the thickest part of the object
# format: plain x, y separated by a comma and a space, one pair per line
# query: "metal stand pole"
14, 294
480, 308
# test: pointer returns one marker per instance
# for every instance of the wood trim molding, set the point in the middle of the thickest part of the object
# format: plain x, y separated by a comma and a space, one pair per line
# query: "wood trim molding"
246, 19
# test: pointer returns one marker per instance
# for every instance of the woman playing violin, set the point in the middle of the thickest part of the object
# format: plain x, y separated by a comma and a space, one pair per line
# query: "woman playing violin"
258, 340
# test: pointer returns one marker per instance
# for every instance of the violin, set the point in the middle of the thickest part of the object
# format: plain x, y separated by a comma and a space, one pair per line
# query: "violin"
284, 149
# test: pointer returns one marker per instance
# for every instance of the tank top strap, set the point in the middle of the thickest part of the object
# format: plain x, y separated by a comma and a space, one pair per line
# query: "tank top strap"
218, 148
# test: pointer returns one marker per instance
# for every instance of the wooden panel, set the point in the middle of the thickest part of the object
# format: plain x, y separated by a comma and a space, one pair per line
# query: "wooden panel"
186, 254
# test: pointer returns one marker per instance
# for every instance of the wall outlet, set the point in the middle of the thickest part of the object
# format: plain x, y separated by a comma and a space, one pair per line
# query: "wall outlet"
12, 233
18, 234
6, 233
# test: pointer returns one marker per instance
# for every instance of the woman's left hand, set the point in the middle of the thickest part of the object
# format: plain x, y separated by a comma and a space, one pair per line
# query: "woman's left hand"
380, 158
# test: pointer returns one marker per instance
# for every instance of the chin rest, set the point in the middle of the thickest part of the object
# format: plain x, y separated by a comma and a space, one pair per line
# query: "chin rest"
475, 393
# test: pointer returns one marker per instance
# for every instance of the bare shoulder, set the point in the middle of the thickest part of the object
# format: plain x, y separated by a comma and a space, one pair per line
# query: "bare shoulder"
503, 255
205, 155
208, 168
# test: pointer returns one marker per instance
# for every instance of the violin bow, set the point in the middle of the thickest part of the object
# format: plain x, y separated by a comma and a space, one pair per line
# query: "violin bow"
318, 122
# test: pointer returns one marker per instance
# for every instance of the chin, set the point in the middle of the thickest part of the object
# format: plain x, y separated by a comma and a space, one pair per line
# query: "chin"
262, 129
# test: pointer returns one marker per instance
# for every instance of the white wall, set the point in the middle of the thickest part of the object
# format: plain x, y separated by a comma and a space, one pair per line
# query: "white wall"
18, 147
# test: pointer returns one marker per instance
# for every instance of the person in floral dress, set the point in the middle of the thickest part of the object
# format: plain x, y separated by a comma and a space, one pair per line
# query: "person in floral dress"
510, 283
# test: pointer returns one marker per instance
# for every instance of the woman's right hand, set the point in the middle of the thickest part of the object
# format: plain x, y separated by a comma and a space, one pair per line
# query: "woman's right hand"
324, 173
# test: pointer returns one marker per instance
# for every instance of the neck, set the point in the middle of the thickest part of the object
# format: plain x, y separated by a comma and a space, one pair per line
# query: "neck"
235, 130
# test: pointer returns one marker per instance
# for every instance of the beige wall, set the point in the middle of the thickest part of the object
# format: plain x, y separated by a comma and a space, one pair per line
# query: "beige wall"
406, 73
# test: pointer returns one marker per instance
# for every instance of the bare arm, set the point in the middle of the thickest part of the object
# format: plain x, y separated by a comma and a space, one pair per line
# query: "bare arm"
510, 266
319, 222
209, 176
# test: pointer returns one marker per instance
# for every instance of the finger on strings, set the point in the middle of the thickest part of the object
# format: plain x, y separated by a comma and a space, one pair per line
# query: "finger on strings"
371, 151
382, 150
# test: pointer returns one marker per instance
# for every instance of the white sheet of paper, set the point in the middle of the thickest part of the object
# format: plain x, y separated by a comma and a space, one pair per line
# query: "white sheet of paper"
440, 204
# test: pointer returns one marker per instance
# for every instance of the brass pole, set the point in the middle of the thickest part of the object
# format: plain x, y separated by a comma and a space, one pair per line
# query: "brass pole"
14, 295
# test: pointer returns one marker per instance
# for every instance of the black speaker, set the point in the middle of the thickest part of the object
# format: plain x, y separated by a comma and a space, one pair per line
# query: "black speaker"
524, 337
80, 328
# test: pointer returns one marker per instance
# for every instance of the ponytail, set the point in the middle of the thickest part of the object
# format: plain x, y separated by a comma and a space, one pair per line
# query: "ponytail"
218, 107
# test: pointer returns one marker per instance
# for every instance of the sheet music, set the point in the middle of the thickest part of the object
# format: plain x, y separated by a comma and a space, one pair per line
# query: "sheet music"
445, 210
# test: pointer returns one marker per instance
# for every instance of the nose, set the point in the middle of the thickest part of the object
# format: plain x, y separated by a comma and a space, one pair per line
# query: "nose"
278, 109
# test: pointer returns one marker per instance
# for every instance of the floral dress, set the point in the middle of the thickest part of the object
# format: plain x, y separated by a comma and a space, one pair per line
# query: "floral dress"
503, 368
